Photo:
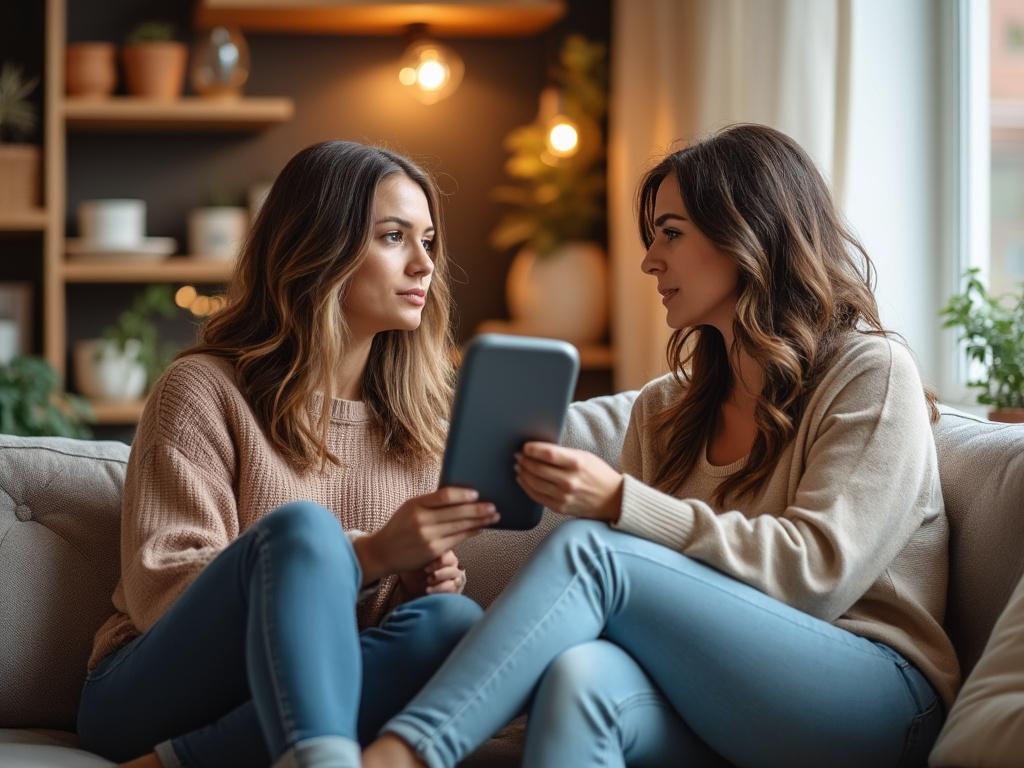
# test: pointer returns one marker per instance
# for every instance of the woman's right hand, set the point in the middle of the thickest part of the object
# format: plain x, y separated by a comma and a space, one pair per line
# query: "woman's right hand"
421, 530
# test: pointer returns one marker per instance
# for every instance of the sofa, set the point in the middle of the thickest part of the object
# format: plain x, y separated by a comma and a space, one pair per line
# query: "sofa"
59, 521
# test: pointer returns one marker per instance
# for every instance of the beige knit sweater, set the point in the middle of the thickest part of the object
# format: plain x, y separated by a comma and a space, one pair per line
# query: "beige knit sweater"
850, 526
201, 472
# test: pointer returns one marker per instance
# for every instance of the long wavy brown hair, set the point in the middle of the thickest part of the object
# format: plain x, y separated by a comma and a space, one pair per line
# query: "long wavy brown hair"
284, 327
805, 283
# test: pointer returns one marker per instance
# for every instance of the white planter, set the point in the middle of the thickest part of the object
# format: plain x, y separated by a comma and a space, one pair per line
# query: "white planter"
112, 223
102, 372
562, 295
217, 232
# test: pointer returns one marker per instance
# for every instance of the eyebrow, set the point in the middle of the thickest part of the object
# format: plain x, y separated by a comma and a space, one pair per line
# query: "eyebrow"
400, 222
666, 216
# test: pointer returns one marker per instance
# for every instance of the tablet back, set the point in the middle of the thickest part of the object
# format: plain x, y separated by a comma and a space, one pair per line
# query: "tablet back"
512, 389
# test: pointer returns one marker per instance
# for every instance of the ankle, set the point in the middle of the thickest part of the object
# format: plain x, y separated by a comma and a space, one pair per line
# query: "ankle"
389, 751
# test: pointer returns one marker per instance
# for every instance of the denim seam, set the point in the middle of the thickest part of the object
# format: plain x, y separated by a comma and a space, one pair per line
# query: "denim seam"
428, 738
283, 709
125, 654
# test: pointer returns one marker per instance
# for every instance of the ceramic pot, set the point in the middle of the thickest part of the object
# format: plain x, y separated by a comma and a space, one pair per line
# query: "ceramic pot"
1007, 415
19, 170
103, 372
155, 70
90, 71
217, 232
562, 295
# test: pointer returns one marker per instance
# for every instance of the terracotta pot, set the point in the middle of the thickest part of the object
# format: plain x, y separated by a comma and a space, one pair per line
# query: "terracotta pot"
155, 70
563, 295
90, 71
19, 177
1007, 415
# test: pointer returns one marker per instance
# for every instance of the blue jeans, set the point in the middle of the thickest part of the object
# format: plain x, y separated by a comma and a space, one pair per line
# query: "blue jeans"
260, 660
629, 653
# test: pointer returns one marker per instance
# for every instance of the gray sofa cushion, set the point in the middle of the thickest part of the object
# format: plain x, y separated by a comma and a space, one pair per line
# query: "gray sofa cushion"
60, 503
981, 465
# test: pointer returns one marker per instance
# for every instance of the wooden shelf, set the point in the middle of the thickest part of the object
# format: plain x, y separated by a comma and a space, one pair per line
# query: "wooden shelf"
450, 18
23, 221
190, 113
127, 412
178, 269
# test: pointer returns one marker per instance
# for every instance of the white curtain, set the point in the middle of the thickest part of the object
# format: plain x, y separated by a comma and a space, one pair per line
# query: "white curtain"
684, 68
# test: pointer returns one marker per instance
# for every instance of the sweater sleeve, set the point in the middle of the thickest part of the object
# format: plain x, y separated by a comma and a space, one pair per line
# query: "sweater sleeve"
177, 518
867, 479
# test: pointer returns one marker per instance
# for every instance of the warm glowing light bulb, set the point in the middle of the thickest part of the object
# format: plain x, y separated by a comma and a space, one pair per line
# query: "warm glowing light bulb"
432, 75
407, 76
185, 296
563, 139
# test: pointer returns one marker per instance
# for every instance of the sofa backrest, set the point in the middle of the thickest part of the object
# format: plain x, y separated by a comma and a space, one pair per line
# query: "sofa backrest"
981, 466
60, 504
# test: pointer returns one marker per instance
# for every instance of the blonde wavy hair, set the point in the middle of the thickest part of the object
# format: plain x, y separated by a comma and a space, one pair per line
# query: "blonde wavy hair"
805, 283
284, 327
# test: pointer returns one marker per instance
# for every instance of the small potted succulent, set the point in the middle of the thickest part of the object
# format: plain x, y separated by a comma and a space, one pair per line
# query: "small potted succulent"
33, 405
992, 327
154, 62
128, 358
19, 163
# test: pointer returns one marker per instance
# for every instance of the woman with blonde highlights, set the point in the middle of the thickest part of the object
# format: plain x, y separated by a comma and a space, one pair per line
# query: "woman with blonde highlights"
287, 574
764, 581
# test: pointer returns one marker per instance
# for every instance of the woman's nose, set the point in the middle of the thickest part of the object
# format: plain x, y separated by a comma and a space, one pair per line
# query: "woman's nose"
422, 264
650, 264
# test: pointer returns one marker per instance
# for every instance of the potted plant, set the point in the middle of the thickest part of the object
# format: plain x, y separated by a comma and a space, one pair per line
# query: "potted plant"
90, 70
558, 283
128, 358
993, 329
19, 163
32, 403
154, 62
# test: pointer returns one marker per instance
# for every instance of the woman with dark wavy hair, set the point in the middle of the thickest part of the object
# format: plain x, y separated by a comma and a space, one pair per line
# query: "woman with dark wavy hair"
764, 583
287, 575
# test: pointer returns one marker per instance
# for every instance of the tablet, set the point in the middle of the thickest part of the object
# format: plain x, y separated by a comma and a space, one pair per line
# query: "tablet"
511, 389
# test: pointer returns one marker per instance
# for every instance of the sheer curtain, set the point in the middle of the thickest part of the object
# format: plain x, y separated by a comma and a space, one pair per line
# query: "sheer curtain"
683, 68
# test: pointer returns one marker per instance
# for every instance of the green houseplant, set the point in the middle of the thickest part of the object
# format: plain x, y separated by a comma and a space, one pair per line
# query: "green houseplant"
19, 163
129, 357
558, 283
992, 327
32, 403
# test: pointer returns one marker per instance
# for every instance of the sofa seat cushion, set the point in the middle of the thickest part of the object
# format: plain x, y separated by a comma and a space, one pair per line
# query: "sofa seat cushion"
45, 749
981, 466
60, 505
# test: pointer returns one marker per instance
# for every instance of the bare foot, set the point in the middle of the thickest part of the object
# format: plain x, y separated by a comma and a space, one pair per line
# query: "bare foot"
146, 761
389, 751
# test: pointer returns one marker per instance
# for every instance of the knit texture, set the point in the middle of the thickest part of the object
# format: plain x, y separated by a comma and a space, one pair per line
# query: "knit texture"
850, 526
202, 472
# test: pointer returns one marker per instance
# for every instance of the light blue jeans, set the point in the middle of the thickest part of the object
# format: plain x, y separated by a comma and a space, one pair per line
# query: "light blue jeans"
629, 653
261, 660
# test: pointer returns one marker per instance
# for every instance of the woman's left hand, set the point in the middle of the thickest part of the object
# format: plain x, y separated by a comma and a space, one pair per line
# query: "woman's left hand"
569, 481
441, 575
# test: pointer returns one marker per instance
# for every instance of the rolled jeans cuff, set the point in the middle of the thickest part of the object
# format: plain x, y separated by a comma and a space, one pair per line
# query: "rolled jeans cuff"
418, 741
167, 756
321, 751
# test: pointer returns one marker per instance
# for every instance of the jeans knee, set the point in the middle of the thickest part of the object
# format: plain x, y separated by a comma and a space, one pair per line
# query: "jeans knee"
308, 529
576, 679
439, 622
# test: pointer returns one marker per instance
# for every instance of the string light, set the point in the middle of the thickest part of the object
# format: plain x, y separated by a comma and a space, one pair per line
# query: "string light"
431, 71
187, 297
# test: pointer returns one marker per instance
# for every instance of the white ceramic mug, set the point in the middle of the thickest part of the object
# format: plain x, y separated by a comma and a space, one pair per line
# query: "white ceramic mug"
217, 232
114, 223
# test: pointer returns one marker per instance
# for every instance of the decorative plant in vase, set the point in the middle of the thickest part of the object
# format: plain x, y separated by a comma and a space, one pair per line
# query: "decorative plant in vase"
154, 61
32, 403
128, 358
19, 163
558, 284
993, 329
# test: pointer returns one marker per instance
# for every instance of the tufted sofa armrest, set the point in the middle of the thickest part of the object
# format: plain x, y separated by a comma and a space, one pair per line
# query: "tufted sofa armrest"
60, 508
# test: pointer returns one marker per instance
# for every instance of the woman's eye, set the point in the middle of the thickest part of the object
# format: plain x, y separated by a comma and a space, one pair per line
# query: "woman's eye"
428, 246
671, 234
393, 237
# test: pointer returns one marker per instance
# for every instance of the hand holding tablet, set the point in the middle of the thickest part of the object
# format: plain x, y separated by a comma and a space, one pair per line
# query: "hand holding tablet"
511, 390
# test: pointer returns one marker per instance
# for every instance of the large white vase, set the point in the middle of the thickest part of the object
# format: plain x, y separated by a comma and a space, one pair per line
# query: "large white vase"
562, 295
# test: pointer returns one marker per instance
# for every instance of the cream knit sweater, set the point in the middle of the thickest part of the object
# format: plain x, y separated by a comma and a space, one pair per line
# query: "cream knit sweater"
850, 526
201, 472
